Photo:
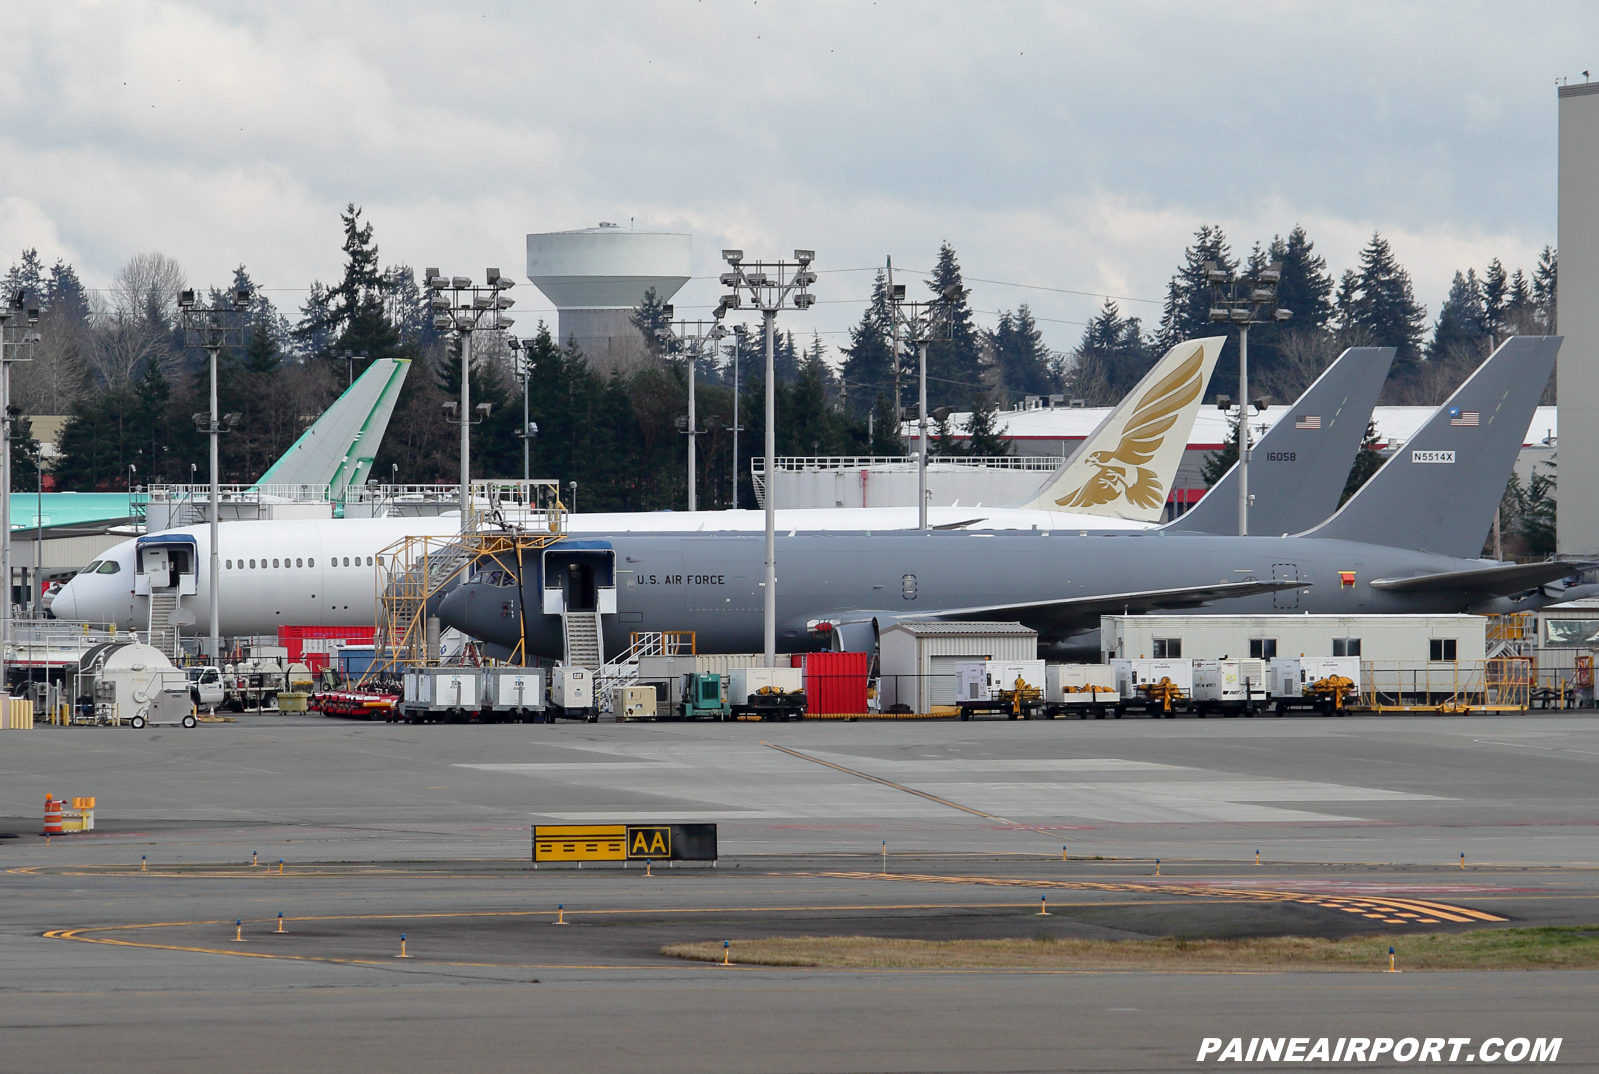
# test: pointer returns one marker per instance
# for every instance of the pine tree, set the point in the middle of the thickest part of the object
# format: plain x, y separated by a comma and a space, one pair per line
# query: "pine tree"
1306, 286
1458, 334
982, 429
1378, 304
885, 438
1186, 314
954, 362
1019, 354
869, 358
1543, 291
650, 318
1537, 511
1109, 359
1495, 290
1367, 462
1217, 463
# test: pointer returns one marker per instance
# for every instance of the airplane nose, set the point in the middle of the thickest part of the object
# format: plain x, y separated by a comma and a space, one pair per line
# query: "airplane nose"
64, 605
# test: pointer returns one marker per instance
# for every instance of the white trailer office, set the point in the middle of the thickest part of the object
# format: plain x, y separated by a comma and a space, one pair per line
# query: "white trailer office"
1385, 639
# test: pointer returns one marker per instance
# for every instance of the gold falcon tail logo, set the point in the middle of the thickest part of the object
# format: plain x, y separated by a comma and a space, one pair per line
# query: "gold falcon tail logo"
1121, 473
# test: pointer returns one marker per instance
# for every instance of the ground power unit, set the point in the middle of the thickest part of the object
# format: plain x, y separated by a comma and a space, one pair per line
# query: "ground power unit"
1154, 686
1323, 683
1228, 687
1014, 688
572, 694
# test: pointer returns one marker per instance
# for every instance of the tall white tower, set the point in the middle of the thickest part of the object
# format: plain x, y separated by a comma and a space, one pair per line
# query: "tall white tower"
1577, 306
597, 276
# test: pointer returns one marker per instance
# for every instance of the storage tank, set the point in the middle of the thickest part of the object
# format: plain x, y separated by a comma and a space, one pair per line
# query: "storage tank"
596, 277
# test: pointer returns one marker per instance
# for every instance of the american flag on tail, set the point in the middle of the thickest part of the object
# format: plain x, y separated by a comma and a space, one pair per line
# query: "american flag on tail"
1463, 417
1309, 421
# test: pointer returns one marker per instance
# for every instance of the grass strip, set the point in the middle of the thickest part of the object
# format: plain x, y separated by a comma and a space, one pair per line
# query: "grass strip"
1547, 948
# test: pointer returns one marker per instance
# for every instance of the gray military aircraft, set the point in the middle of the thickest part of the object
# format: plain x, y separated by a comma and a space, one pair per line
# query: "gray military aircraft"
1408, 541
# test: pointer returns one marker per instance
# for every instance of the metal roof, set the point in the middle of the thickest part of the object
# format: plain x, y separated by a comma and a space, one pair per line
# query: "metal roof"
923, 628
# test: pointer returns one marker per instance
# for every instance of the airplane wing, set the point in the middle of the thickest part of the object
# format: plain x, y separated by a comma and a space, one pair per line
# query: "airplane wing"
1077, 613
1502, 580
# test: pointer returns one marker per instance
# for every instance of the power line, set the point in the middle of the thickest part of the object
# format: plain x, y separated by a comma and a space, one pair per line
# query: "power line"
999, 283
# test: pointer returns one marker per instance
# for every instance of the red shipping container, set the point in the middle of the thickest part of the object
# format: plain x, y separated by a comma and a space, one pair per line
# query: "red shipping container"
835, 683
293, 638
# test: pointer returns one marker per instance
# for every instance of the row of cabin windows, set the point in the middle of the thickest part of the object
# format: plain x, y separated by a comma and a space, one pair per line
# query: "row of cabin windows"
238, 564
1266, 648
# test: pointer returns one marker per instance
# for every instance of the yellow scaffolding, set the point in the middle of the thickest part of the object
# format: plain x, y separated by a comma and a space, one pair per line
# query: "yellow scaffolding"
525, 516
1502, 684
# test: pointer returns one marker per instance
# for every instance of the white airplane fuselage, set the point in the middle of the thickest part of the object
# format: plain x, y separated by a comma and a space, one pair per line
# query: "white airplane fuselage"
295, 572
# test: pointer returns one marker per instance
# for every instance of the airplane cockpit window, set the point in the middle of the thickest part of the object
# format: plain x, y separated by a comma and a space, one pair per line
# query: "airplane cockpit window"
91, 568
110, 566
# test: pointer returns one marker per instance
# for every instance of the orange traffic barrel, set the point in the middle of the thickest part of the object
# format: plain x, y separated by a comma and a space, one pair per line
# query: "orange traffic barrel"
52, 815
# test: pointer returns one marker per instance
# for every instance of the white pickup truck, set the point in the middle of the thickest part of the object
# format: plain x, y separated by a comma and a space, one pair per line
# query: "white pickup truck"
205, 687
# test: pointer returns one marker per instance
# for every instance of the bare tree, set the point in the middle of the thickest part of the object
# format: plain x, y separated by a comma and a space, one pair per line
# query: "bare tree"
147, 287
134, 328
56, 376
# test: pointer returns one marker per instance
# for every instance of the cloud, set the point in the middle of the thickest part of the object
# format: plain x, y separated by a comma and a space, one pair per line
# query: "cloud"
1072, 146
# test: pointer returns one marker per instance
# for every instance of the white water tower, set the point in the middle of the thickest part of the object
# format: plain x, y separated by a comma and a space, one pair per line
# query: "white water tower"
597, 276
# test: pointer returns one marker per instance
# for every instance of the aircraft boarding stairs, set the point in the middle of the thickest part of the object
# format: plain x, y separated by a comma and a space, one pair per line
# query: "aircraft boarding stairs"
163, 631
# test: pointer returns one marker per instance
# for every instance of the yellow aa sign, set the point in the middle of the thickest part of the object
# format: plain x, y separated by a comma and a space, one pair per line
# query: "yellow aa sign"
649, 843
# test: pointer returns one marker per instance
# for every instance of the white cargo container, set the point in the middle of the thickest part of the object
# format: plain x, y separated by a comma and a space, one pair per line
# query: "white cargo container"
1228, 685
775, 693
572, 693
1383, 639
513, 691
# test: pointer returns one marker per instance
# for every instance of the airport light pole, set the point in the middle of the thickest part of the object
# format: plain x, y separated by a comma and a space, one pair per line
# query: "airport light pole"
691, 342
523, 351
923, 322
463, 307
12, 316
740, 340
771, 285
1244, 301
211, 327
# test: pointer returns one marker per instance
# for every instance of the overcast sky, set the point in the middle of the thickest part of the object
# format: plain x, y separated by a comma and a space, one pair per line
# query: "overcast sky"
1067, 146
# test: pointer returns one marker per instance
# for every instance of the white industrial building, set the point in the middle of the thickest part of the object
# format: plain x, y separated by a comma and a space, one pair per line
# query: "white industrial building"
1040, 437
597, 276
1577, 300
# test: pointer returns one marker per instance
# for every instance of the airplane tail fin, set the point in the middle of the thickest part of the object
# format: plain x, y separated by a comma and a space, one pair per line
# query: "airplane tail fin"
1298, 469
338, 449
1126, 465
1439, 491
